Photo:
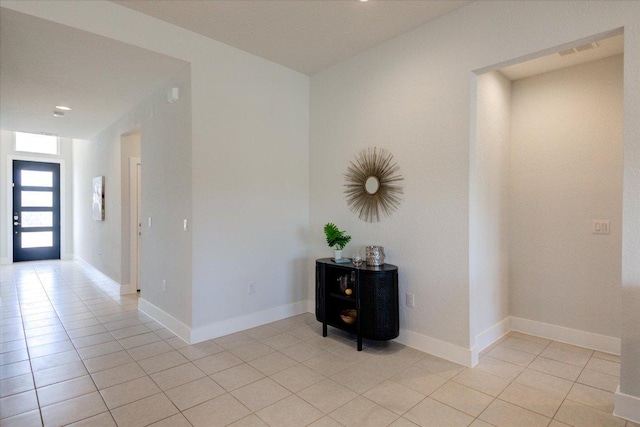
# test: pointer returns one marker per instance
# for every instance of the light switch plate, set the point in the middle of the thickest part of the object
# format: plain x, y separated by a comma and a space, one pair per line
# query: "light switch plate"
601, 226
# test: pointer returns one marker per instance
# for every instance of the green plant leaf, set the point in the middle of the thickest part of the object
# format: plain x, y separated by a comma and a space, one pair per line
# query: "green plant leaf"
335, 238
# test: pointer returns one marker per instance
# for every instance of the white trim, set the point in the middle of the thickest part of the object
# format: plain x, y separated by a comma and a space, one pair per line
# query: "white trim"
585, 339
470, 357
127, 288
311, 306
133, 222
446, 350
165, 319
83, 263
487, 337
107, 280
627, 406
237, 324
4, 261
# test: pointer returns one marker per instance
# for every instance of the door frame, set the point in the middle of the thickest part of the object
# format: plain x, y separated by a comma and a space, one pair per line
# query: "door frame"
9, 199
134, 238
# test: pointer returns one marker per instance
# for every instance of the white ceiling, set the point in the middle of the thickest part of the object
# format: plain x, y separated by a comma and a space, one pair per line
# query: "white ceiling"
43, 64
304, 35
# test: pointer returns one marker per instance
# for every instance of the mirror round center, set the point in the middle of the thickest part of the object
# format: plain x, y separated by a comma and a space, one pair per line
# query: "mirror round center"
372, 184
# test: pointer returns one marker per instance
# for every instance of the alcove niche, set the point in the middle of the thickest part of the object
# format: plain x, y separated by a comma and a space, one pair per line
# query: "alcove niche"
546, 165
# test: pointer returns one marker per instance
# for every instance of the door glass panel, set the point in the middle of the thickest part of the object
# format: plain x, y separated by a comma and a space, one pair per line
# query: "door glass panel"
37, 199
36, 178
37, 219
37, 239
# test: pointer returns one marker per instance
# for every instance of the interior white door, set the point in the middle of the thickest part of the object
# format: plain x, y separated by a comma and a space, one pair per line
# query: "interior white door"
135, 222
139, 224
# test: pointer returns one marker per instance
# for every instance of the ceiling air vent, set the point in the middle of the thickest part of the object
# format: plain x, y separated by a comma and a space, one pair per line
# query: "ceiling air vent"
582, 48
567, 52
588, 46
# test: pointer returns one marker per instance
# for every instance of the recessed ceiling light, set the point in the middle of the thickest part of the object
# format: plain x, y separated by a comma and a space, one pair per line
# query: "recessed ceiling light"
63, 107
364, 1
58, 114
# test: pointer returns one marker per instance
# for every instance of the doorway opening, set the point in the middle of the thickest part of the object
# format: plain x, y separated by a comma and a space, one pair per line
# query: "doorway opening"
546, 167
135, 218
36, 211
130, 166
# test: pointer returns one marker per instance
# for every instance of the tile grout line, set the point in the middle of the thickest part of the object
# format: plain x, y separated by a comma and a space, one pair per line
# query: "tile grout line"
336, 351
73, 344
70, 340
514, 381
33, 377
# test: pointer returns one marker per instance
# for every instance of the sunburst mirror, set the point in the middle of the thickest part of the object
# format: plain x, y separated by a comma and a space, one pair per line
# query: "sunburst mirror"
372, 186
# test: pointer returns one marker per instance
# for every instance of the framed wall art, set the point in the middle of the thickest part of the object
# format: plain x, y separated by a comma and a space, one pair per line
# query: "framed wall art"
98, 198
373, 184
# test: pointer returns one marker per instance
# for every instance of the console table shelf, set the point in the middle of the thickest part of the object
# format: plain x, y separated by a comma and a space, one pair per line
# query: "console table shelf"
374, 297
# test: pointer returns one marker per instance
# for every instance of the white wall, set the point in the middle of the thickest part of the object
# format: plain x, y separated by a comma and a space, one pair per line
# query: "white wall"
166, 197
7, 154
630, 354
411, 95
250, 195
489, 210
405, 96
566, 171
164, 139
98, 242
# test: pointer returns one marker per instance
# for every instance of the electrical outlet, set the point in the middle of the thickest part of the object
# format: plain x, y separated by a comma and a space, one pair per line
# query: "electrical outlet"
164, 286
99, 255
411, 300
252, 288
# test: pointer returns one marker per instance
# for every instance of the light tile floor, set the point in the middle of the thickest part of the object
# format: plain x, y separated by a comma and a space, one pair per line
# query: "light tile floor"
73, 352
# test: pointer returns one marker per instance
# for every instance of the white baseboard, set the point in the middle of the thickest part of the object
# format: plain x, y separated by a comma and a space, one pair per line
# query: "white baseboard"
627, 407
311, 306
68, 257
487, 337
127, 288
165, 319
82, 262
237, 324
4, 261
436, 347
590, 340
118, 287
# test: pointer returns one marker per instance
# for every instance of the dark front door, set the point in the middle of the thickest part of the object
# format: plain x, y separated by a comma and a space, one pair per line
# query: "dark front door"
36, 211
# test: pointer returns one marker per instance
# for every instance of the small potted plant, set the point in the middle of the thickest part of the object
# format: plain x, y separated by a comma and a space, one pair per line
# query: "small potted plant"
336, 239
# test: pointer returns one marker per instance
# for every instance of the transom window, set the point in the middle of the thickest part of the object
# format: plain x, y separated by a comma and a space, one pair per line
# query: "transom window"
34, 143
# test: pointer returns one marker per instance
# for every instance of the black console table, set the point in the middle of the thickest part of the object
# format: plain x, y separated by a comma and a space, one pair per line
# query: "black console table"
371, 291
